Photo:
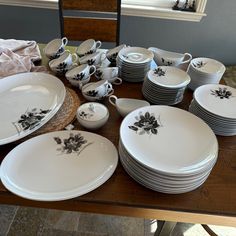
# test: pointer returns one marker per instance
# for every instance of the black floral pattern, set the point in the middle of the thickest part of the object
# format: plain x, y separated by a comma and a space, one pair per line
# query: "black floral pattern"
166, 63
113, 57
146, 123
159, 72
30, 119
92, 93
91, 62
79, 76
98, 74
222, 93
74, 144
199, 64
62, 67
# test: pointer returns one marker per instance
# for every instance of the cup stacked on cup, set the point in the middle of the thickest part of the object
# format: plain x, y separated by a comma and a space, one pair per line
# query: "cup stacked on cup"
165, 85
205, 71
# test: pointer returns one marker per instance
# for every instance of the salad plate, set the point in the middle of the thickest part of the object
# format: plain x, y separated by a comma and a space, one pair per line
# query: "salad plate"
28, 101
64, 165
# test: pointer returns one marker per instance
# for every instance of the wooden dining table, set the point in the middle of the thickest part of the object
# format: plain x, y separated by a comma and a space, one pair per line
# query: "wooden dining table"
214, 202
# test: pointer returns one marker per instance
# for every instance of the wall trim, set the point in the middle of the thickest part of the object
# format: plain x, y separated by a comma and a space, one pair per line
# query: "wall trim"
126, 10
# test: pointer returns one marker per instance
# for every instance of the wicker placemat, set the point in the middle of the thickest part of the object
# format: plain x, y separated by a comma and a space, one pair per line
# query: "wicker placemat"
63, 117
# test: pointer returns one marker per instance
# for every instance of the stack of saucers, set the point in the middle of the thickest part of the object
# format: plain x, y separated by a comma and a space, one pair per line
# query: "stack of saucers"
165, 85
167, 149
134, 63
205, 71
216, 105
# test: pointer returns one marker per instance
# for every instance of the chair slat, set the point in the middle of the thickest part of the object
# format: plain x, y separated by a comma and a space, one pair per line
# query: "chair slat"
90, 5
85, 28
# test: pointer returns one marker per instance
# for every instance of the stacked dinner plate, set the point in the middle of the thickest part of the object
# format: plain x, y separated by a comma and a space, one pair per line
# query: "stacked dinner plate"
216, 105
167, 149
134, 63
165, 85
205, 71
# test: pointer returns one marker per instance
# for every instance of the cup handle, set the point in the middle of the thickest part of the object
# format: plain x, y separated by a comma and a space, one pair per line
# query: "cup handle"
64, 41
187, 55
110, 93
98, 44
117, 81
92, 69
74, 58
111, 98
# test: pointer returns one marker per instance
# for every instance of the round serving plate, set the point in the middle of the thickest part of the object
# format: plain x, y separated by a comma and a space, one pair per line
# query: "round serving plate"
28, 101
162, 138
64, 165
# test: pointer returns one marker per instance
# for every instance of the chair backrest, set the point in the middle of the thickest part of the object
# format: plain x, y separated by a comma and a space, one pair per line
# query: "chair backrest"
85, 19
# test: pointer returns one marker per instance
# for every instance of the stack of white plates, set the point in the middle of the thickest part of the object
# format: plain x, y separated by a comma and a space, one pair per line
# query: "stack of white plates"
134, 63
205, 71
165, 85
216, 105
167, 149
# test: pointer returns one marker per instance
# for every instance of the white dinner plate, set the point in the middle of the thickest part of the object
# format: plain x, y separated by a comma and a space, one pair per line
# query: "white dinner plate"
168, 140
28, 101
59, 165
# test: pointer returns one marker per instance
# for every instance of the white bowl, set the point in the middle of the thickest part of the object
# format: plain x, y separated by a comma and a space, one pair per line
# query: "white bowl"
92, 115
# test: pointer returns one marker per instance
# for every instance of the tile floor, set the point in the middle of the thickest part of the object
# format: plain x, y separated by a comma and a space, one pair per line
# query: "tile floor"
24, 221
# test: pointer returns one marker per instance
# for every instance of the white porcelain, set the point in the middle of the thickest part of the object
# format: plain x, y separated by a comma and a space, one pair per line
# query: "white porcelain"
79, 83
92, 96
99, 88
28, 101
92, 115
169, 77
92, 59
81, 72
108, 73
126, 105
64, 165
111, 54
65, 62
88, 46
162, 137
168, 58
55, 48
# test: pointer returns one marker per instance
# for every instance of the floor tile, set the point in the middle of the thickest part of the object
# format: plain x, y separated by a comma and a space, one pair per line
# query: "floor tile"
62, 220
111, 225
28, 221
7, 214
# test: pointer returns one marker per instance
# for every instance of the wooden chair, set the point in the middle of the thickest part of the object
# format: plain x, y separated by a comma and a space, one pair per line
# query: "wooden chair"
85, 19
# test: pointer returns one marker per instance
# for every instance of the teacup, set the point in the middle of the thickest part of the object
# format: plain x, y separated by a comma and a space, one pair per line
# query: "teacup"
79, 83
111, 54
55, 48
81, 72
167, 58
108, 73
63, 63
98, 90
92, 59
89, 46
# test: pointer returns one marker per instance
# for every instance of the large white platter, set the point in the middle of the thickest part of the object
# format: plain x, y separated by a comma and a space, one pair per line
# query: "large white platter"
28, 101
59, 165
168, 140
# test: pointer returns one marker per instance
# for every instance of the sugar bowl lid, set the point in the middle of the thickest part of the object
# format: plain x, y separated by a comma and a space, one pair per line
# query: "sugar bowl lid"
92, 111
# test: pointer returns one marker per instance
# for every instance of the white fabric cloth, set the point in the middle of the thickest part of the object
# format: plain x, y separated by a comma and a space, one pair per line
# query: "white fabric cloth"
18, 56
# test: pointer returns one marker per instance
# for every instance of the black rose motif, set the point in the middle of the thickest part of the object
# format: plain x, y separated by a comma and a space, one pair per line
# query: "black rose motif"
159, 72
199, 64
222, 93
62, 67
92, 93
166, 63
79, 76
146, 123
91, 62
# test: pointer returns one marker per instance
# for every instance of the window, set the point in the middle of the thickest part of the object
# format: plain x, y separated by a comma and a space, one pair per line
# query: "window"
144, 8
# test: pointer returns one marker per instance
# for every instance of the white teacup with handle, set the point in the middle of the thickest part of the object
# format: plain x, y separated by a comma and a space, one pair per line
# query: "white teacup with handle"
108, 73
88, 46
55, 48
92, 59
81, 72
63, 63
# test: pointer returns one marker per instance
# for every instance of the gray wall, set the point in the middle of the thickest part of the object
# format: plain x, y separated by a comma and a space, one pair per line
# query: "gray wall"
214, 36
